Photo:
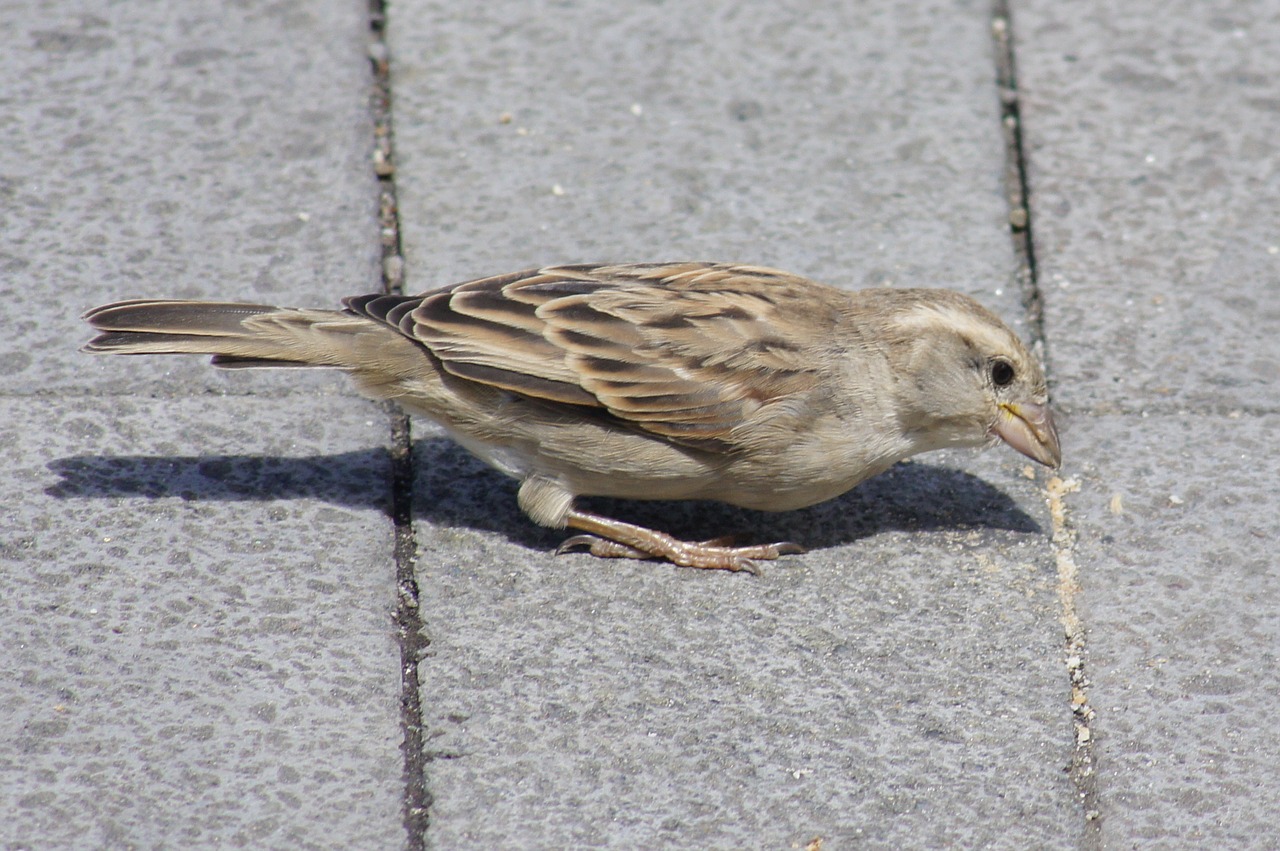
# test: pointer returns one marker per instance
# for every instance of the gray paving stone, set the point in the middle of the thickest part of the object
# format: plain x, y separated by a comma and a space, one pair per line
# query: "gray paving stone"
902, 684
196, 602
1152, 134
197, 591
857, 145
899, 686
185, 150
1152, 143
1177, 522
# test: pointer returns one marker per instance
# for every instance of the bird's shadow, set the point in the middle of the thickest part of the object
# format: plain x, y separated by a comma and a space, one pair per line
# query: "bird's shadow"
452, 488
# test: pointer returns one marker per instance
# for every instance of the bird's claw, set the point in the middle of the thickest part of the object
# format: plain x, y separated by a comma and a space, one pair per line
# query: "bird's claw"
713, 554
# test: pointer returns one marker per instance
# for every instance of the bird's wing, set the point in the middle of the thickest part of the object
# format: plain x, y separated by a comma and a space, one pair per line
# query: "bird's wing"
688, 351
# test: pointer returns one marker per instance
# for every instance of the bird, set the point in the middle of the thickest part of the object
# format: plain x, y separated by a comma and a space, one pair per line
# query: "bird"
670, 381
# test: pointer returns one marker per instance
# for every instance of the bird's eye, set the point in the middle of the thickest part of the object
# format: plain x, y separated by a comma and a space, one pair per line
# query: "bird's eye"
1002, 373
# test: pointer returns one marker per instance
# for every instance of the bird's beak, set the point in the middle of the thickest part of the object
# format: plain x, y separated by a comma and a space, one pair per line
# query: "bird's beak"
1028, 428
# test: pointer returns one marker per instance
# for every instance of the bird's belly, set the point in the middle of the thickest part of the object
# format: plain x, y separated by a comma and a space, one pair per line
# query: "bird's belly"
623, 465
594, 459
505, 459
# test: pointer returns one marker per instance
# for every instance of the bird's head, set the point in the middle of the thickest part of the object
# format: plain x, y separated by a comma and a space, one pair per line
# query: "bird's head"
964, 379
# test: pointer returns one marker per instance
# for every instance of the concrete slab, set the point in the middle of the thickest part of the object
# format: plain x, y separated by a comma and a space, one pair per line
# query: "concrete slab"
192, 151
856, 145
1152, 143
1152, 133
197, 603
899, 686
1177, 521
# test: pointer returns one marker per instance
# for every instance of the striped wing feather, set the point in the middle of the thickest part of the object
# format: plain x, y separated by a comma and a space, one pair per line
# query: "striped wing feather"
687, 351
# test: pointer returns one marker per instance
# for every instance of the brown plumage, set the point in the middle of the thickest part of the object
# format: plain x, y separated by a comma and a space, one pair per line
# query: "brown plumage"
651, 381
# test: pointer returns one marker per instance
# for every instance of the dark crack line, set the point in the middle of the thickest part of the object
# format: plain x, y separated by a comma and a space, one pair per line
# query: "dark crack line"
1017, 188
410, 628
411, 634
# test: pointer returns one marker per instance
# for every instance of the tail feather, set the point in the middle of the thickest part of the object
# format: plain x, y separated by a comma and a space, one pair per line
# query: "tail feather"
204, 318
236, 335
237, 362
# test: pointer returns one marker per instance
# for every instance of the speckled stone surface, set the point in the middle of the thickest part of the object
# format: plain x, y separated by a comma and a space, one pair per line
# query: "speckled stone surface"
902, 683
852, 143
197, 602
899, 685
210, 150
1152, 140
196, 568
1183, 605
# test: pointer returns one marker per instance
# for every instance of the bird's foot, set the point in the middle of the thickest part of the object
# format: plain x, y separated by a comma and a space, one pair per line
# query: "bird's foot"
614, 539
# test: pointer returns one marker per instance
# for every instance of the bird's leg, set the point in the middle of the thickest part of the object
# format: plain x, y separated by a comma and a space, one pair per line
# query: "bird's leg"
608, 538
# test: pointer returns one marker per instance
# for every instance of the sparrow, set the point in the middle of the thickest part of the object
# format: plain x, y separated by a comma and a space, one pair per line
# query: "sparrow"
670, 381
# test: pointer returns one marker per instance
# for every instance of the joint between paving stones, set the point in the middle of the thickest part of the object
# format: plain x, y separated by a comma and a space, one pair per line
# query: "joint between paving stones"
411, 635
1167, 409
1017, 189
410, 628
1083, 763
